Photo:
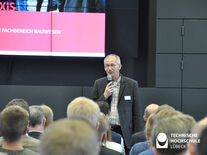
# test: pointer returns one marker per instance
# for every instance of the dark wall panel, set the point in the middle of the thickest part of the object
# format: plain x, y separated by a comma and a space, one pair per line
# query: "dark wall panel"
122, 32
194, 40
123, 4
56, 97
55, 71
5, 68
181, 8
194, 102
161, 96
169, 39
168, 72
194, 73
87, 92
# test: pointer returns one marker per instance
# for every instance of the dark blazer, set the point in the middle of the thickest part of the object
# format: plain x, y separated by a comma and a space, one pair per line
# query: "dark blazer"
138, 137
128, 105
35, 134
107, 151
116, 137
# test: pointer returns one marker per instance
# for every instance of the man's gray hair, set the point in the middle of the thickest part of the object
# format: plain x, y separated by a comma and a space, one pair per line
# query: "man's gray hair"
118, 60
36, 115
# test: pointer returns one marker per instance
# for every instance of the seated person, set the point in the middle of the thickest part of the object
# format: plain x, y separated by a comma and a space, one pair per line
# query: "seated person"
48, 115
111, 135
28, 142
69, 137
14, 124
36, 121
140, 136
107, 147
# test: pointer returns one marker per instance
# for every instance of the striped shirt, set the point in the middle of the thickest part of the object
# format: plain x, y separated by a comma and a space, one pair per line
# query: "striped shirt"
114, 115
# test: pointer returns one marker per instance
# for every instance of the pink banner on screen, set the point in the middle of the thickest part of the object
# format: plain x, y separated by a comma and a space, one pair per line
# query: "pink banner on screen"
46, 33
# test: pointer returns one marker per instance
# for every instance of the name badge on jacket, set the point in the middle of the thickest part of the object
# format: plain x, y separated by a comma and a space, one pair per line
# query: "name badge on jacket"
127, 98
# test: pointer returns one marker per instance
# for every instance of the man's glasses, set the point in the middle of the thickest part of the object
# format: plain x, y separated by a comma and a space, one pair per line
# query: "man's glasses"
110, 65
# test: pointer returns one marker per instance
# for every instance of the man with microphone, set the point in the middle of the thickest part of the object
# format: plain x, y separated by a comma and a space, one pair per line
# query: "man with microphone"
122, 95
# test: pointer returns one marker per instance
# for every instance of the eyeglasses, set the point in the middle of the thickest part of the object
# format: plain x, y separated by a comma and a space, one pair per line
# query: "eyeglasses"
110, 65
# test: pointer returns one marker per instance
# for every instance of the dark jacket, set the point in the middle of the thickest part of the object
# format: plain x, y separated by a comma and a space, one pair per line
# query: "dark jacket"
128, 105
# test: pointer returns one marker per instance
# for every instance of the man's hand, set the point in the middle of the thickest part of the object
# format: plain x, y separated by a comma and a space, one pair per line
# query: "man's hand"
108, 90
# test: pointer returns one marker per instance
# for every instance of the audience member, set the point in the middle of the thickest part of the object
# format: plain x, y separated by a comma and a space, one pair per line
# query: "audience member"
48, 114
14, 124
102, 131
69, 137
162, 133
140, 136
196, 130
145, 146
201, 147
37, 121
85, 108
164, 106
102, 134
111, 135
28, 142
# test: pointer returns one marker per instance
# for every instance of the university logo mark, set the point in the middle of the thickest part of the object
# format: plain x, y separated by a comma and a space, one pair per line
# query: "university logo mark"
161, 141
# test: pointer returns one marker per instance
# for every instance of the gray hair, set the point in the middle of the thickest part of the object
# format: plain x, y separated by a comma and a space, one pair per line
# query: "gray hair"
36, 115
118, 60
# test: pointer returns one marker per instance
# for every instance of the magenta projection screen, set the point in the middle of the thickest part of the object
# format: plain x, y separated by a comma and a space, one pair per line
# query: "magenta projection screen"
52, 33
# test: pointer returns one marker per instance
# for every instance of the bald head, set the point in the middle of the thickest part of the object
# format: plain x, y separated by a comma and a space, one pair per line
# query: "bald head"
150, 109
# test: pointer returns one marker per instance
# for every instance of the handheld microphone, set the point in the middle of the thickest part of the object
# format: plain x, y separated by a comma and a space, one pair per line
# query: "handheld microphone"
109, 77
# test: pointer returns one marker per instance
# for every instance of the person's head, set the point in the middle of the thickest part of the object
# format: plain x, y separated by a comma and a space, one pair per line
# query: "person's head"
201, 147
20, 102
112, 65
104, 107
164, 106
48, 114
157, 116
69, 136
85, 108
13, 123
187, 119
163, 130
196, 129
150, 109
37, 117
103, 127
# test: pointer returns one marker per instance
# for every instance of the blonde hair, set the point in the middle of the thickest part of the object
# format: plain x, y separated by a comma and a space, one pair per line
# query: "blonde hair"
69, 136
48, 114
157, 116
85, 108
103, 126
